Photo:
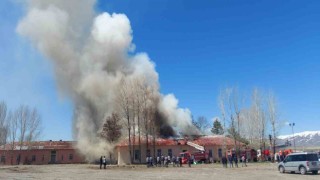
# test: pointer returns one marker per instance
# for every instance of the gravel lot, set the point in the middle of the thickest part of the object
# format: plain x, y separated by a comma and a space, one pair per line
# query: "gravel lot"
257, 171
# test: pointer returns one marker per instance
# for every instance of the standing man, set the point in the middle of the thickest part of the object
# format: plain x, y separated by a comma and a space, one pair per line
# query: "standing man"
189, 161
147, 161
151, 161
173, 161
235, 158
224, 162
104, 161
230, 161
100, 162
158, 161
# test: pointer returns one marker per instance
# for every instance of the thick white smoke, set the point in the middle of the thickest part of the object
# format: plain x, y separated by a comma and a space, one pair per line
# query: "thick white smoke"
90, 57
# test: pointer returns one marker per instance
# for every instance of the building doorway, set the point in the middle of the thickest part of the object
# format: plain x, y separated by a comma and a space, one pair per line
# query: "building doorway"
53, 157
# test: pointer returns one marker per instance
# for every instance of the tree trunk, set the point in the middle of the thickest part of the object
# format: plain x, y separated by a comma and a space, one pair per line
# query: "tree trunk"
139, 137
238, 117
134, 139
154, 142
129, 131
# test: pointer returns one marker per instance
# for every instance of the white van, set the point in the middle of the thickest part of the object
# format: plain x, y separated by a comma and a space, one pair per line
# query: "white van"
300, 162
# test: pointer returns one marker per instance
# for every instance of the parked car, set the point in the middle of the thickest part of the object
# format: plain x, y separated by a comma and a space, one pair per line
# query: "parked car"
300, 162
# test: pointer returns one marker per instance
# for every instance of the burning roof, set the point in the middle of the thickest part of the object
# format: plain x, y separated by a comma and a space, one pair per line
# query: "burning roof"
203, 141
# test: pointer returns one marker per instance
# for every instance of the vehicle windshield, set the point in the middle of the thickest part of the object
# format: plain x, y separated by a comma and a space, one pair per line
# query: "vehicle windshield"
312, 157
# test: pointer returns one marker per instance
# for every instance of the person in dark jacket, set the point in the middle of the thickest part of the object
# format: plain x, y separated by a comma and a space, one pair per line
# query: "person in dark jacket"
104, 161
100, 162
173, 161
189, 161
224, 162
230, 161
180, 162
235, 159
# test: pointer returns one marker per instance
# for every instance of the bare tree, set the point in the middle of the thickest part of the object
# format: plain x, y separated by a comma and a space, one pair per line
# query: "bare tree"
222, 102
153, 114
237, 102
133, 104
202, 124
33, 126
28, 126
23, 115
140, 91
231, 110
12, 120
273, 119
145, 101
124, 104
259, 116
148, 100
13, 128
3, 123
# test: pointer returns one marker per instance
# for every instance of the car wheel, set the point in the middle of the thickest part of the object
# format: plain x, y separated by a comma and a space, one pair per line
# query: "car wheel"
303, 170
314, 172
281, 169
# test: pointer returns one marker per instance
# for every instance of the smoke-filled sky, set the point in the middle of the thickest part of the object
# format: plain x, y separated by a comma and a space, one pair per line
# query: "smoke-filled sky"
197, 47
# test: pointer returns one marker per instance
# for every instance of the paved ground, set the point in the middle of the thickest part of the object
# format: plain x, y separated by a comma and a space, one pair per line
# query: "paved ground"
199, 172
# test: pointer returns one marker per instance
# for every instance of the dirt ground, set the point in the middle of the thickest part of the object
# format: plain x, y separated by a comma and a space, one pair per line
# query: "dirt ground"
257, 171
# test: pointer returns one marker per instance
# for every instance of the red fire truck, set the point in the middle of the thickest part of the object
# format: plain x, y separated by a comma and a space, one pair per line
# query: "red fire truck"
200, 156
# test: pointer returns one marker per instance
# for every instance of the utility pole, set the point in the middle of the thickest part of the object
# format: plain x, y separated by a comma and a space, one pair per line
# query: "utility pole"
294, 143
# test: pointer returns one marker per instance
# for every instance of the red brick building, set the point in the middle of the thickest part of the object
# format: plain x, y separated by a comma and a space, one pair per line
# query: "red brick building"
41, 152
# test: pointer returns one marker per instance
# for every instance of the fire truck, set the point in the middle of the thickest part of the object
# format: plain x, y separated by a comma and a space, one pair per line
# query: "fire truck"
250, 154
199, 156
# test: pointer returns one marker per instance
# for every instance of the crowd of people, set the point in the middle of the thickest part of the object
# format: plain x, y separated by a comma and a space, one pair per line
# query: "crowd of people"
103, 161
232, 160
165, 161
177, 161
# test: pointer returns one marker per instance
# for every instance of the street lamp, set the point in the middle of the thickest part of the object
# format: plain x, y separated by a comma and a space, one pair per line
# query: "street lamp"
294, 143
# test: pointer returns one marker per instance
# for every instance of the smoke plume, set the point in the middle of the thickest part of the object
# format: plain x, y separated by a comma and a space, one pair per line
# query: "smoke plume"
90, 56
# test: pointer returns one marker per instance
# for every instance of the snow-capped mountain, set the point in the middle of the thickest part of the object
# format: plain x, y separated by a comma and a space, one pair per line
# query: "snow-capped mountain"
306, 139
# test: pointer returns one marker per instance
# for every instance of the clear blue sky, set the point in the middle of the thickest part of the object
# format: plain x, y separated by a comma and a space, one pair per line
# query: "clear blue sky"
198, 47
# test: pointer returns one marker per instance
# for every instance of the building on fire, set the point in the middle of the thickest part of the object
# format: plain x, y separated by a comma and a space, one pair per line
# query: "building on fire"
212, 145
64, 152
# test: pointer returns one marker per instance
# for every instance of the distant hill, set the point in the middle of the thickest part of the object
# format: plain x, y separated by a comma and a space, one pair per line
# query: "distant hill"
303, 139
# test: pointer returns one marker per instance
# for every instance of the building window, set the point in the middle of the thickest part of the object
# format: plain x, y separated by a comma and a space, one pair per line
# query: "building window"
159, 152
33, 158
210, 153
136, 154
3, 159
170, 152
220, 153
70, 156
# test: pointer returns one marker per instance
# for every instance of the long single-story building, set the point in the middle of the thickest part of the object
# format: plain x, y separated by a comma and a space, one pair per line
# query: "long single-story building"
64, 152
40, 152
213, 146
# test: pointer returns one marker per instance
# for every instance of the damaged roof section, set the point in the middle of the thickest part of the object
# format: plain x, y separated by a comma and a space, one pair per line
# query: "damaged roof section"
203, 141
